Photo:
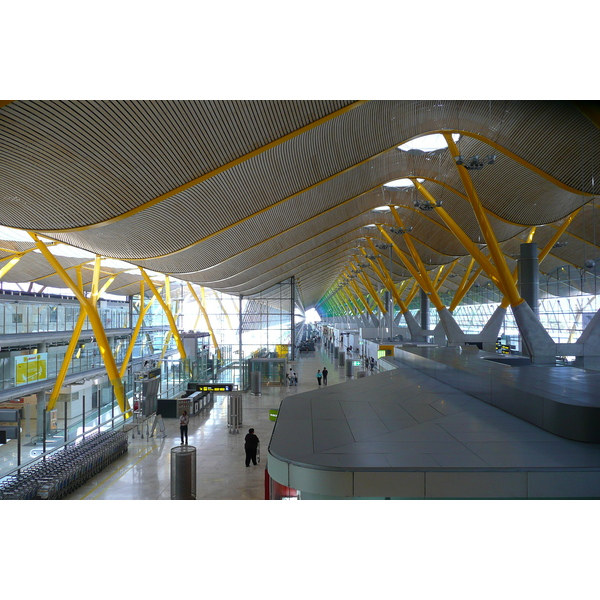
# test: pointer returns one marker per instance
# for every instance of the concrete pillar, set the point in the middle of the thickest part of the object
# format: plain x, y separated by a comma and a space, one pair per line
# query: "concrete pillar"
536, 342
389, 304
424, 310
489, 334
454, 333
41, 407
416, 333
529, 288
589, 342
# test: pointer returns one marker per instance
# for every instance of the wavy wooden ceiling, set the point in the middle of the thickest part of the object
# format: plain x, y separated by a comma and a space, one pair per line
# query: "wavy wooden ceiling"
238, 195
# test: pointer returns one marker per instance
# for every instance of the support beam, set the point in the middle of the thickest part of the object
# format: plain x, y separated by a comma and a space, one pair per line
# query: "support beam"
460, 235
504, 274
136, 331
385, 276
96, 323
168, 313
205, 314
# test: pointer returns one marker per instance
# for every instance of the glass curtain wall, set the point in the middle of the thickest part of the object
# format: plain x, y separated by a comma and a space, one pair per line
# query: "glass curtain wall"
568, 301
265, 324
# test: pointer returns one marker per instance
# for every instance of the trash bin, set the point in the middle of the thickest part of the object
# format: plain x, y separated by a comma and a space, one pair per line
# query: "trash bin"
183, 473
342, 359
256, 383
349, 368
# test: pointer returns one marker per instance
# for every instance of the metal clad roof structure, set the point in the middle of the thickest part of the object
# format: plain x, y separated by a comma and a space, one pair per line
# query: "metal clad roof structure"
238, 195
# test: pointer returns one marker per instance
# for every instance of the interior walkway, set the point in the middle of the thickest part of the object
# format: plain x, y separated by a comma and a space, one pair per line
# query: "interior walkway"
143, 473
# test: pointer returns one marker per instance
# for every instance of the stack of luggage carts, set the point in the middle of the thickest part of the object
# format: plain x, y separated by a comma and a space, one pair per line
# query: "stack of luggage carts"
60, 473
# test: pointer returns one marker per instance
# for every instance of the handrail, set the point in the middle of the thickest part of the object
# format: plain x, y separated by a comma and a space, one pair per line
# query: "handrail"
64, 444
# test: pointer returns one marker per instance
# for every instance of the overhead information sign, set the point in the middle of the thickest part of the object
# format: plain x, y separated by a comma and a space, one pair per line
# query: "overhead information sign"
211, 387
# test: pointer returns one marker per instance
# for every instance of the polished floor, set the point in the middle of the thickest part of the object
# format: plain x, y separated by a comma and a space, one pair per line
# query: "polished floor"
144, 472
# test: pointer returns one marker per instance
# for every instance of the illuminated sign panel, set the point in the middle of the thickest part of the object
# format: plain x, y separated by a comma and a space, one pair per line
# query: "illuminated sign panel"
211, 387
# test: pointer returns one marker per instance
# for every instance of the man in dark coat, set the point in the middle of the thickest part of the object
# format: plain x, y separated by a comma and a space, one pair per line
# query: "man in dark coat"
250, 446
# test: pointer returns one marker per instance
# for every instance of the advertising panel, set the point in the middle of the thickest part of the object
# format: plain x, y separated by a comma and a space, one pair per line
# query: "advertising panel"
31, 368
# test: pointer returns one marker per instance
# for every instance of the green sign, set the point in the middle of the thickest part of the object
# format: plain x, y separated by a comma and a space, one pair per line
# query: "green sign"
273, 412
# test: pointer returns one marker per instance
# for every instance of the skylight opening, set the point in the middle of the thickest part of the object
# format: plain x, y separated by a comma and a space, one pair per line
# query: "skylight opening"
402, 183
427, 143
381, 209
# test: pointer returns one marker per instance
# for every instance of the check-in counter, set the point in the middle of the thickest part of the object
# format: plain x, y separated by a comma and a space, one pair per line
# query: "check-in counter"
192, 402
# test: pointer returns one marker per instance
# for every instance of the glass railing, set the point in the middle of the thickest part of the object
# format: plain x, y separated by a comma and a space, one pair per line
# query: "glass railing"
20, 452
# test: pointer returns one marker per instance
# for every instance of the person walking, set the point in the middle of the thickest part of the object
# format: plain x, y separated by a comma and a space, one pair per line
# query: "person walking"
325, 372
251, 442
183, 426
319, 376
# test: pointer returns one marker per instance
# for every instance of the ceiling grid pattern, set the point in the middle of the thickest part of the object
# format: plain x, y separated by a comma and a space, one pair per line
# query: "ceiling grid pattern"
236, 194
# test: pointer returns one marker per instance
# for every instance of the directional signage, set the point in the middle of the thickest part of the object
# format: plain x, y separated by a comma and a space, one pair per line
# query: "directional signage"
211, 387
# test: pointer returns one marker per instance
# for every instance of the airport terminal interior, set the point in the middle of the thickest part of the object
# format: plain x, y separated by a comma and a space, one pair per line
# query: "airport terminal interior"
440, 259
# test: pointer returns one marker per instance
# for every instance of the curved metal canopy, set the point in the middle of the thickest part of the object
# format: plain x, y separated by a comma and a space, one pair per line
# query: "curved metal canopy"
239, 195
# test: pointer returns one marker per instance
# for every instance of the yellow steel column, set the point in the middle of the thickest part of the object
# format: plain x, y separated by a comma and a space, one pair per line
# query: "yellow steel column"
557, 235
369, 285
223, 309
359, 296
343, 303
210, 329
469, 245
412, 293
438, 283
96, 323
15, 258
136, 331
10, 264
424, 281
430, 289
71, 347
505, 276
67, 358
459, 296
338, 304
362, 276
386, 278
353, 310
168, 313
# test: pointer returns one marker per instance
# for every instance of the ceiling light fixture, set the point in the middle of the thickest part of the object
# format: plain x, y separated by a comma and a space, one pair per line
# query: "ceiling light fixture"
425, 204
474, 163
400, 230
